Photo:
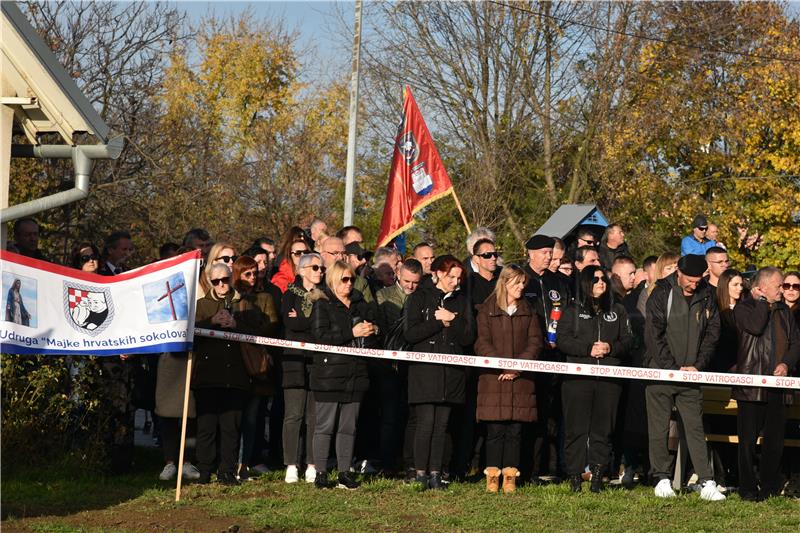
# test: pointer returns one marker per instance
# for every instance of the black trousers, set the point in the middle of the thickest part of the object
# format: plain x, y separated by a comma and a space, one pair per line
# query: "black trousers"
503, 443
429, 438
590, 412
218, 408
756, 417
171, 439
547, 449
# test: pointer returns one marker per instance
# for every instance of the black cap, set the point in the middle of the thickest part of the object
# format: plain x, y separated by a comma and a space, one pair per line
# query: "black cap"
692, 265
540, 241
699, 221
354, 248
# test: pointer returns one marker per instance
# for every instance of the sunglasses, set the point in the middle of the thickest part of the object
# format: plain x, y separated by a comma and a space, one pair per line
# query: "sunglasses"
792, 286
348, 279
595, 281
224, 280
298, 253
338, 254
489, 255
227, 258
702, 228
249, 274
316, 268
87, 258
589, 243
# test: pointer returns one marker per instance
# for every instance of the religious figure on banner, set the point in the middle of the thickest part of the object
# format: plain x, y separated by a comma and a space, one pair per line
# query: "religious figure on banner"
15, 307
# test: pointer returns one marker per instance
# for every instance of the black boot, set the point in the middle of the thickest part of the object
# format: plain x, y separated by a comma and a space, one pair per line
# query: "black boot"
422, 480
435, 481
321, 481
575, 481
597, 478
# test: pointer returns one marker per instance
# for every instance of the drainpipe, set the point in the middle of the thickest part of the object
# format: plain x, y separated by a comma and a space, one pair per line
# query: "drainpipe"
82, 156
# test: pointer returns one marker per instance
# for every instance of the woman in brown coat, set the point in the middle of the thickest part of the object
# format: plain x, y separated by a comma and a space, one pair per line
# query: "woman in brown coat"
507, 327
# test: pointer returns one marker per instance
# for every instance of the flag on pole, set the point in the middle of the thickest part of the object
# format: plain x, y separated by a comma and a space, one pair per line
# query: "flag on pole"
50, 309
417, 176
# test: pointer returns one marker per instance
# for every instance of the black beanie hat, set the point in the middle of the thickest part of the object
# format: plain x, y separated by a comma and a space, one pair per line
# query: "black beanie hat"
693, 265
540, 241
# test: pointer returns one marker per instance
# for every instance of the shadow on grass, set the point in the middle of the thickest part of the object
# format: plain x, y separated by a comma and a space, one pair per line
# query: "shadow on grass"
71, 487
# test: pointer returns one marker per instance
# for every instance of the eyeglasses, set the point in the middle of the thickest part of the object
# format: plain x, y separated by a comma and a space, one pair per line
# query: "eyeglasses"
249, 274
226, 258
702, 228
298, 253
595, 280
224, 280
791, 286
348, 279
316, 268
489, 255
87, 258
589, 243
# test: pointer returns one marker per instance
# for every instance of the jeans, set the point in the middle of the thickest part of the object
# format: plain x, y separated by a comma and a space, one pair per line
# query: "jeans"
503, 444
429, 439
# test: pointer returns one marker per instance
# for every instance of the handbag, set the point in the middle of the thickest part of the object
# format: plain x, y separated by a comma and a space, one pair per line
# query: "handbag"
257, 361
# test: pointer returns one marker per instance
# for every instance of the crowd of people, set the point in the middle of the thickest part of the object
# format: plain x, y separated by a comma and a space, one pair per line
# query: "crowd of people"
586, 301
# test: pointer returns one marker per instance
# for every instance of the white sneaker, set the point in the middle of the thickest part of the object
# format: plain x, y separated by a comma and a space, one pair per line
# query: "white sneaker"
190, 471
664, 489
291, 474
710, 491
311, 474
169, 472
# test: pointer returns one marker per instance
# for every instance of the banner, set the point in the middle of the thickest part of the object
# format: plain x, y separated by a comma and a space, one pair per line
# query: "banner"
50, 309
417, 176
525, 365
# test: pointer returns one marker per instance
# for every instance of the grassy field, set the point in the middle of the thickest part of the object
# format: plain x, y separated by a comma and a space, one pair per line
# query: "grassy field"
63, 500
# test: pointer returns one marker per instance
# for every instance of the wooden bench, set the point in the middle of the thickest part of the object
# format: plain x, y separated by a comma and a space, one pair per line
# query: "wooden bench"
717, 401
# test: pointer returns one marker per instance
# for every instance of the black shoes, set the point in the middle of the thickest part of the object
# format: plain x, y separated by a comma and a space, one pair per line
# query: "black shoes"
227, 478
435, 481
205, 478
321, 481
597, 478
575, 482
347, 480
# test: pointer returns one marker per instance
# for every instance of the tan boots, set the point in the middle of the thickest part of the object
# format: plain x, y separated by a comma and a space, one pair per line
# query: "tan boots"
492, 478
509, 475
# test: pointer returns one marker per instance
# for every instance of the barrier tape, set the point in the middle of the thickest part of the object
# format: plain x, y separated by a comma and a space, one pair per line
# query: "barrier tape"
523, 365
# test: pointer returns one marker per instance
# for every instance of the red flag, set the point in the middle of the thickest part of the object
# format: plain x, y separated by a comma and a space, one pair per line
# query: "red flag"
417, 177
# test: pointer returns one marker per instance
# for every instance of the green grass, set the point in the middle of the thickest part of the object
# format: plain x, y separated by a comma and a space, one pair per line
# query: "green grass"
62, 503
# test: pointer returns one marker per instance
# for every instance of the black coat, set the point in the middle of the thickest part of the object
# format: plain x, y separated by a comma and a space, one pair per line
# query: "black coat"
543, 293
294, 361
703, 308
579, 328
218, 362
479, 288
758, 322
337, 377
430, 382
607, 255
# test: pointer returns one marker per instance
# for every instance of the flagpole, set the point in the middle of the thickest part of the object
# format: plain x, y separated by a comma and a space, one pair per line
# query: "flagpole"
349, 184
458, 205
186, 393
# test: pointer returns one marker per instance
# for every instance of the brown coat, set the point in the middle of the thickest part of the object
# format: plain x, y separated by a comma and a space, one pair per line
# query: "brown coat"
517, 337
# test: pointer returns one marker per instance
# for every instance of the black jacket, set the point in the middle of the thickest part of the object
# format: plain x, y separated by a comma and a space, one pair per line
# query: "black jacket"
298, 328
337, 377
479, 288
758, 323
218, 362
579, 328
543, 292
607, 255
704, 318
430, 382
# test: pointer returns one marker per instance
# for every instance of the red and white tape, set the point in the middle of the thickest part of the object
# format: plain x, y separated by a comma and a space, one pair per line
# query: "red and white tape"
523, 365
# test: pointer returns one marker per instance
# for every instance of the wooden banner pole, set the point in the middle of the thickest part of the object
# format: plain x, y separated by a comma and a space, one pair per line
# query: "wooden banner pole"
458, 205
186, 393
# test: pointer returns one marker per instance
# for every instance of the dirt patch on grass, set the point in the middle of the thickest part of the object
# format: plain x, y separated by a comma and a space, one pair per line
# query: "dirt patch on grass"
131, 518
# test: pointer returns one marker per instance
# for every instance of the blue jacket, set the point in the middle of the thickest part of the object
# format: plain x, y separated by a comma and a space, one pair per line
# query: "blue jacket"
690, 246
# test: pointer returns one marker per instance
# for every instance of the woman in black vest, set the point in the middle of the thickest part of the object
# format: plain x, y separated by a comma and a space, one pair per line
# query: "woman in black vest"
592, 331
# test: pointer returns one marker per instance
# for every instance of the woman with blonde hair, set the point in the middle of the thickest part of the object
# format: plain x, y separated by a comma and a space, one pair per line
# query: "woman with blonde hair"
340, 317
507, 327
666, 264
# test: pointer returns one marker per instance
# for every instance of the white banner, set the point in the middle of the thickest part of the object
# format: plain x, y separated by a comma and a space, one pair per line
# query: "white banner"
526, 365
50, 309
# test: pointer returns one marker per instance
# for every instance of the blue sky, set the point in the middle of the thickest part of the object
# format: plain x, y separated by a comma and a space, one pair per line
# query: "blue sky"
28, 292
158, 312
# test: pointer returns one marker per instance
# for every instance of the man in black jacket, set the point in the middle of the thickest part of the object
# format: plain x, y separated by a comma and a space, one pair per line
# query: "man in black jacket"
681, 333
548, 295
769, 344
